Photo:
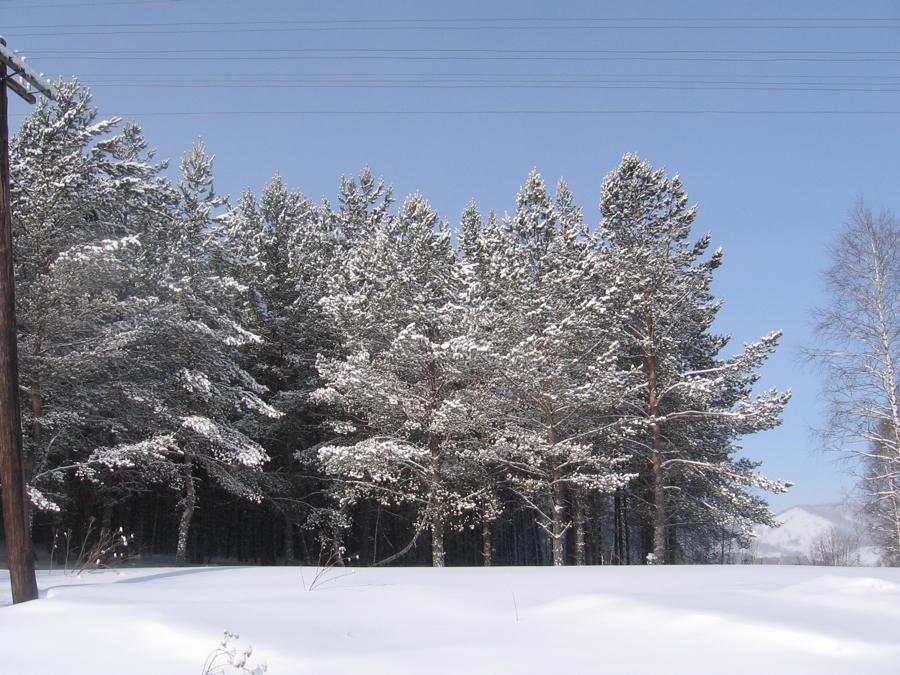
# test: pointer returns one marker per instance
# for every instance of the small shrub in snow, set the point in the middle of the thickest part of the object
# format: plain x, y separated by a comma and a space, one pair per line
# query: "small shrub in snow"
229, 658
325, 571
109, 550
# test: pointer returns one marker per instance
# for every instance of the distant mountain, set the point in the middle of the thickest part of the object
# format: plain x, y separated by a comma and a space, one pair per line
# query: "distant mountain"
801, 525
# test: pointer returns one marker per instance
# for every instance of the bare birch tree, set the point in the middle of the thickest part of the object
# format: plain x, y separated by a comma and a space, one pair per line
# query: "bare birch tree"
860, 349
835, 548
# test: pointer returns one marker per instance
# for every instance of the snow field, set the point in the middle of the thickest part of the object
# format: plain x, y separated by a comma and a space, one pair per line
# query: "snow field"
414, 621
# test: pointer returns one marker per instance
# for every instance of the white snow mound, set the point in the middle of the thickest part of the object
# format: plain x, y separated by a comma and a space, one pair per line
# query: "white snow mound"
638, 620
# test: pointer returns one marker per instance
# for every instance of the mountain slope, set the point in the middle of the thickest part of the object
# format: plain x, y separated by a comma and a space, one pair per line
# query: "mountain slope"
802, 525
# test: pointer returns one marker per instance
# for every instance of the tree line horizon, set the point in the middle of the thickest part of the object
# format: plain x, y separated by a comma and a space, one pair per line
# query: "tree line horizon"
280, 380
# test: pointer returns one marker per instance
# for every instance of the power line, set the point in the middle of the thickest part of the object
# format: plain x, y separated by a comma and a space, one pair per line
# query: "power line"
465, 20
464, 50
492, 85
493, 112
884, 84
547, 59
437, 27
630, 76
501, 78
107, 3
451, 54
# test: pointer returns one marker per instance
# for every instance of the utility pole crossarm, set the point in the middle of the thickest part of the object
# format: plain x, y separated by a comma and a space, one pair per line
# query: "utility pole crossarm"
26, 76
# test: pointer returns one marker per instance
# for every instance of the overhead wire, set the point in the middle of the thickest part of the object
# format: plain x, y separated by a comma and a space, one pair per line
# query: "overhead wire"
459, 84
95, 3
269, 74
437, 27
381, 21
803, 83
512, 111
466, 50
449, 54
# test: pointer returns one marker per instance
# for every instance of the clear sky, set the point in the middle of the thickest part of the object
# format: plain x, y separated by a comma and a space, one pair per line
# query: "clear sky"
764, 108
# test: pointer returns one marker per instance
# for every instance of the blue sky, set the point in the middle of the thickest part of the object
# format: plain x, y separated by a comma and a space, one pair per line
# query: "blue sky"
772, 163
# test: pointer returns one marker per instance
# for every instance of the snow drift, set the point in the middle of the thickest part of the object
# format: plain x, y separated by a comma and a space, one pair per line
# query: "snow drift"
735, 619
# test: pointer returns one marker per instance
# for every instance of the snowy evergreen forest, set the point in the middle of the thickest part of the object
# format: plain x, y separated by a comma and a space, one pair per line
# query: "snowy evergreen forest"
271, 378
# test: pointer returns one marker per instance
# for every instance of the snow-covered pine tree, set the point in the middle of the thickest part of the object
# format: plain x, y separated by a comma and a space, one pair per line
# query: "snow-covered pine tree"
551, 379
363, 207
281, 248
78, 252
470, 227
400, 391
693, 405
167, 394
206, 394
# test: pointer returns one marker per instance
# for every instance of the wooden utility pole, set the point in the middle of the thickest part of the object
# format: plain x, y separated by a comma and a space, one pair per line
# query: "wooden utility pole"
15, 75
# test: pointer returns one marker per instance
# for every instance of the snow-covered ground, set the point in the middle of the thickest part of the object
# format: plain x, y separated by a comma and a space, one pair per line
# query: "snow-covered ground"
734, 619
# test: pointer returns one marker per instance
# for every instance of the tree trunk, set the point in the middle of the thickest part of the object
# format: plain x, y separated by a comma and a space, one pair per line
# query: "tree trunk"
288, 540
138, 516
436, 516
28, 460
236, 535
154, 527
599, 509
887, 328
365, 532
486, 543
671, 543
557, 524
895, 543
656, 468
187, 513
580, 547
618, 534
895, 535
626, 531
437, 539
36, 406
375, 536
659, 503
